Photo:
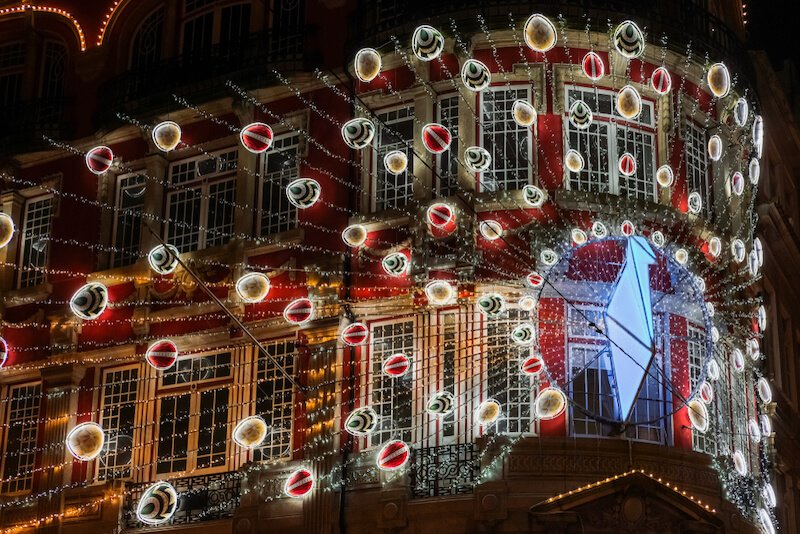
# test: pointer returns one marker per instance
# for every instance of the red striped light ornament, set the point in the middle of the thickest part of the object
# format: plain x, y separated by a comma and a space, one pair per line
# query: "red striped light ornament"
99, 159
593, 66
393, 456
436, 138
396, 365
162, 354
355, 334
256, 137
299, 311
299, 483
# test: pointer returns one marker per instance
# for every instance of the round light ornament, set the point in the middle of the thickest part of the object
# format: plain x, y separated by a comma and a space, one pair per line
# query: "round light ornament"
526, 303
253, 287
758, 135
535, 280
163, 259
754, 171
395, 162
739, 463
766, 425
303, 192
741, 110
714, 147
713, 370
764, 391
550, 403
436, 138
540, 33
396, 365
427, 43
599, 230
299, 484
440, 215
90, 301
524, 113
250, 432
166, 136
256, 137
661, 81
99, 159
761, 318
157, 504
698, 415
3, 352
488, 412
700, 283
534, 196
7, 229
578, 236
753, 349
627, 164
752, 263
753, 430
711, 309
299, 311
593, 66
491, 305
629, 102
161, 354
523, 334
395, 264
490, 230
627, 228
706, 393
737, 360
439, 292
737, 250
580, 115
548, 257
532, 366
477, 159
85, 441
367, 64
358, 133
714, 334
768, 495
361, 422
355, 334
715, 247
737, 183
658, 238
664, 176
719, 80
441, 404
354, 235
759, 250
573, 160
765, 522
475, 75
629, 40
695, 203
393, 456
681, 256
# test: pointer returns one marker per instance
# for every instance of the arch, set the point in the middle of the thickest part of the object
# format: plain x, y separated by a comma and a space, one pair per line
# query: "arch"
22, 8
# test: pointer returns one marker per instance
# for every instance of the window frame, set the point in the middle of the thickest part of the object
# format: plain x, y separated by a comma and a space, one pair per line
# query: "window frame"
482, 135
262, 166
119, 190
104, 374
6, 415
215, 8
24, 239
259, 357
377, 163
691, 130
451, 188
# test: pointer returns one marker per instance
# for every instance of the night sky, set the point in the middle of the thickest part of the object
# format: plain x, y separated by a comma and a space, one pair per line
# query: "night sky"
772, 26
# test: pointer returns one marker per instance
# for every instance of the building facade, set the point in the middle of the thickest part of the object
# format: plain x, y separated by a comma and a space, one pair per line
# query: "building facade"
587, 264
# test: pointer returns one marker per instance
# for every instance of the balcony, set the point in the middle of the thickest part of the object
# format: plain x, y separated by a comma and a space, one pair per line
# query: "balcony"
443, 471
27, 122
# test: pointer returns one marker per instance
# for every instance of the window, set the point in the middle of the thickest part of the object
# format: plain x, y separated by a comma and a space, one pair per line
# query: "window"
200, 208
35, 241
449, 353
606, 140
280, 165
696, 163
128, 219
207, 23
274, 399
392, 397
447, 161
507, 142
55, 62
695, 345
118, 420
146, 49
20, 438
590, 368
395, 132
12, 67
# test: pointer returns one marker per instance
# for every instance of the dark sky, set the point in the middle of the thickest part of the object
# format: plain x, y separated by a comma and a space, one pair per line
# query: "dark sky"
772, 26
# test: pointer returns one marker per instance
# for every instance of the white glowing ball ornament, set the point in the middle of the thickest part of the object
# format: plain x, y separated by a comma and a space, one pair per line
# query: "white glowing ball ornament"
85, 441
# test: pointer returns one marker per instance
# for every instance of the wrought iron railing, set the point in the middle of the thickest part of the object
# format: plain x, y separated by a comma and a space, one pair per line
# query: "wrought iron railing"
444, 470
200, 498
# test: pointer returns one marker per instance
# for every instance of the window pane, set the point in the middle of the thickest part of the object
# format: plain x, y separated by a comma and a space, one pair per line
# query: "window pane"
212, 436
392, 397
219, 225
35, 241
197, 369
198, 33
393, 191
55, 59
20, 440
449, 351
506, 141
274, 400
697, 164
641, 145
173, 434
147, 43
279, 167
184, 219
447, 162
119, 410
592, 144
127, 235
235, 23
505, 383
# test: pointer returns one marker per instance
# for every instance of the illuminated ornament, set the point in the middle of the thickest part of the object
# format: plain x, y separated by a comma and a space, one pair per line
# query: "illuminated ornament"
540, 34
157, 504
701, 284
681, 256
534, 196
719, 80
665, 176
761, 318
436, 138
573, 160
713, 370
628, 40
548, 257
753, 350
477, 159
627, 164
355, 334
6, 229
629, 103
253, 287
256, 137
85, 441
753, 430
163, 259
523, 334
250, 432
764, 391
162, 354
599, 230
715, 247
627, 228
441, 404
527, 303
759, 250
488, 412
737, 183
754, 170
354, 235
737, 360
714, 334
524, 113
99, 159
89, 301
766, 425
758, 135
393, 456
439, 292
362, 422
752, 263
579, 237
695, 203
768, 494
710, 308
298, 311
593, 66
580, 115
475, 75
550, 403
395, 264
358, 133
706, 393
440, 215
303, 192
166, 136
661, 81
491, 305
532, 366
396, 365
698, 415
535, 279
740, 112
657, 238
491, 230
427, 43
739, 463
714, 147
367, 64
737, 250
395, 162
299, 483
3, 352
765, 522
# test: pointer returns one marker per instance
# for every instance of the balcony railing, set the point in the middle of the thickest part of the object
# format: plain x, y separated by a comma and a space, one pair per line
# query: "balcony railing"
444, 470
25, 124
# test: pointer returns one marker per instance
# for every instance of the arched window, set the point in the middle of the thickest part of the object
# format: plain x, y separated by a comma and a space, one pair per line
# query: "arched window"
55, 63
211, 22
146, 49
12, 68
